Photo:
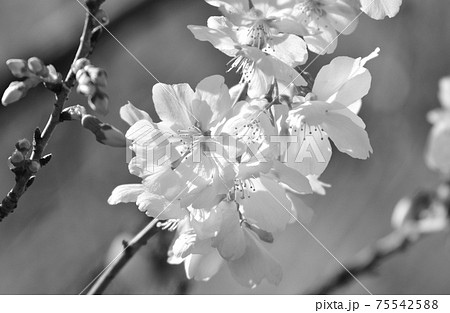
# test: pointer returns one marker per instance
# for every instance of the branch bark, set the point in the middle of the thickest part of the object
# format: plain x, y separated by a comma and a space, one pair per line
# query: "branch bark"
25, 177
130, 249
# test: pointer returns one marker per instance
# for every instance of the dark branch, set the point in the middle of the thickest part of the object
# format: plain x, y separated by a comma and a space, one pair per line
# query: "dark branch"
130, 249
25, 176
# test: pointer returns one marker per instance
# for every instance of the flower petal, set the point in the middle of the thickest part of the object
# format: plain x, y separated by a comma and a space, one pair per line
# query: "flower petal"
255, 265
202, 266
213, 91
230, 241
130, 114
266, 206
379, 9
173, 104
289, 49
125, 193
347, 136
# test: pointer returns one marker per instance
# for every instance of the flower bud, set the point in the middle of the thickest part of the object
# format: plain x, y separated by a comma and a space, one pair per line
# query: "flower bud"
80, 64
34, 166
86, 89
83, 78
14, 92
102, 17
75, 112
52, 76
18, 67
23, 145
98, 76
36, 66
104, 133
99, 102
16, 158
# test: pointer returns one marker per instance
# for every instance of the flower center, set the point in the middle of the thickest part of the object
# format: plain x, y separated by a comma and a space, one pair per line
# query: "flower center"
244, 65
302, 129
250, 133
243, 188
311, 8
259, 34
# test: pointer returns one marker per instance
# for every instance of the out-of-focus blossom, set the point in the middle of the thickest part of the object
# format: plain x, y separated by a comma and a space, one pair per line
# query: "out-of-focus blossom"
437, 154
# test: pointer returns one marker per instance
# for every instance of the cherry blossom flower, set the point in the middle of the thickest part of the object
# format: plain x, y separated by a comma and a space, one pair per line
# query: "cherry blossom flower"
326, 20
329, 111
193, 166
262, 43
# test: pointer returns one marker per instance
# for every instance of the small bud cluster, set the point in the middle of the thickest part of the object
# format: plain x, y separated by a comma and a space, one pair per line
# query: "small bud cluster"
32, 73
19, 158
92, 83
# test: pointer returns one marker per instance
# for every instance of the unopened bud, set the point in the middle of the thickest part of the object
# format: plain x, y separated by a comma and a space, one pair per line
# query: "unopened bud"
52, 75
80, 64
24, 145
16, 158
98, 76
18, 67
102, 17
99, 102
34, 166
14, 92
86, 89
104, 133
75, 112
36, 66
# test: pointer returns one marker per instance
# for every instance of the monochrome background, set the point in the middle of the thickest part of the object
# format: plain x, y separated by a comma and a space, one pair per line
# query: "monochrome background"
61, 234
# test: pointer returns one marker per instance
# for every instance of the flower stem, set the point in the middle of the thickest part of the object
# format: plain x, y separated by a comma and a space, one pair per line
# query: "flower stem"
103, 280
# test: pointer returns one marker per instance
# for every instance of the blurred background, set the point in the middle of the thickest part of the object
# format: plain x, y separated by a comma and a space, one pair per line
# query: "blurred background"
60, 235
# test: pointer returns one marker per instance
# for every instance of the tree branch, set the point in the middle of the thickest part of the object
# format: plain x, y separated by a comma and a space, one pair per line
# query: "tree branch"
25, 176
130, 249
367, 260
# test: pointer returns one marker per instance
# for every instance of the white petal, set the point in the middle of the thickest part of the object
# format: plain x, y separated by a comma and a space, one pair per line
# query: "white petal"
290, 49
379, 9
347, 136
173, 103
230, 241
255, 265
293, 179
213, 91
130, 114
126, 193
157, 206
202, 267
267, 206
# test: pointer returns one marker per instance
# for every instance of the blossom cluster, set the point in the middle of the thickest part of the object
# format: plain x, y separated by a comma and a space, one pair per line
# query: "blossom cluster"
227, 167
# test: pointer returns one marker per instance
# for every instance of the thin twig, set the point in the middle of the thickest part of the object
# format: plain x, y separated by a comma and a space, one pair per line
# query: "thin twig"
367, 260
25, 177
130, 249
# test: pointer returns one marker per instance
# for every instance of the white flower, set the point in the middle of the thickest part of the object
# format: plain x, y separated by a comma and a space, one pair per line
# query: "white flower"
325, 19
258, 45
329, 111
